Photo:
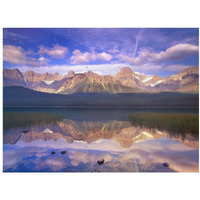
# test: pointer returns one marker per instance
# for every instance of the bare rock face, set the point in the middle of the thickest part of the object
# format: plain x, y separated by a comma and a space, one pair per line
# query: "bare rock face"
126, 77
70, 84
185, 81
45, 82
138, 80
36, 77
92, 82
126, 70
69, 74
151, 81
192, 87
125, 81
90, 73
13, 77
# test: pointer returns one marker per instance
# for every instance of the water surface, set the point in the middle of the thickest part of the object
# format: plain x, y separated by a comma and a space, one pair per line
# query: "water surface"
89, 135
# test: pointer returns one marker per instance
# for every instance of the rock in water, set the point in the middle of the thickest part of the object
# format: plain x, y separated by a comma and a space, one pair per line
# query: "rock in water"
165, 164
100, 162
25, 131
63, 152
53, 152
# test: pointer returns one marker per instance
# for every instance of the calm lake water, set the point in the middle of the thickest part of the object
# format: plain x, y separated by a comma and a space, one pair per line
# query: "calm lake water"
31, 135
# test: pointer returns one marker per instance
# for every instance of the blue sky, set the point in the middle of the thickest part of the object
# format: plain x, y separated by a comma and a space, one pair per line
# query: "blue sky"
157, 51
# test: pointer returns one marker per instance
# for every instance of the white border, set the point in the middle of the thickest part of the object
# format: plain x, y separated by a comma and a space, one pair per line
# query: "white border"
104, 13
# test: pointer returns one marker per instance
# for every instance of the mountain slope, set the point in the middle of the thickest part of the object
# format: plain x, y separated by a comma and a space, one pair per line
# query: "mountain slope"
91, 82
125, 81
134, 79
13, 77
36, 77
186, 80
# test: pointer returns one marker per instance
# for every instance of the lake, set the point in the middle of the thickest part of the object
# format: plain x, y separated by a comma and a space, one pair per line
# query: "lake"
100, 140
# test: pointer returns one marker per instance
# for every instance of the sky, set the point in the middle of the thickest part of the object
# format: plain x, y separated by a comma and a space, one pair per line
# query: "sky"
154, 51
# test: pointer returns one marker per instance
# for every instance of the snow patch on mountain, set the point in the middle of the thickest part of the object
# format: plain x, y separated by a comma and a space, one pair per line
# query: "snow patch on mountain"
48, 82
147, 79
138, 73
137, 78
158, 82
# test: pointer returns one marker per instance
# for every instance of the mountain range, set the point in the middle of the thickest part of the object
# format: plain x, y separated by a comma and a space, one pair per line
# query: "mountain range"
125, 81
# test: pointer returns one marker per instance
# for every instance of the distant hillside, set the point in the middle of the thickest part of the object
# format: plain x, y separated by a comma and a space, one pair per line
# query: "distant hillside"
20, 96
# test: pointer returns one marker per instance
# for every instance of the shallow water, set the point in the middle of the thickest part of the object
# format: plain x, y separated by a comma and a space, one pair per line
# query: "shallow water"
89, 135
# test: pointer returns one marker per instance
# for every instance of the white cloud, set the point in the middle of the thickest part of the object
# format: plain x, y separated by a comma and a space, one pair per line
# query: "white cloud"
151, 68
148, 68
56, 52
137, 40
102, 69
114, 51
43, 60
176, 52
147, 61
16, 55
97, 72
79, 57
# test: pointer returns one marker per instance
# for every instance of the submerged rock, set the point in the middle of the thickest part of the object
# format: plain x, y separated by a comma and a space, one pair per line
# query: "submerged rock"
63, 152
25, 131
165, 164
53, 152
96, 170
100, 162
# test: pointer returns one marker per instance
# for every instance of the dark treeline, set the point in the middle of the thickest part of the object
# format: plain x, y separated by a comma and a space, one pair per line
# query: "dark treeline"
19, 96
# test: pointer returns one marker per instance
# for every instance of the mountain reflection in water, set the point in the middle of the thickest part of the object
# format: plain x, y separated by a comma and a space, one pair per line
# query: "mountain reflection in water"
124, 146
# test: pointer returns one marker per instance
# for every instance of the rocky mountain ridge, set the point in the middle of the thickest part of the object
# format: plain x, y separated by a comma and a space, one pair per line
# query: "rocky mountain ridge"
125, 81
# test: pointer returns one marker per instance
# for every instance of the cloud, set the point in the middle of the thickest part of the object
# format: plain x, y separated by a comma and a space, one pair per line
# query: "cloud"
86, 57
177, 68
56, 52
102, 39
152, 69
177, 52
148, 68
114, 51
137, 40
17, 56
148, 61
85, 71
103, 69
43, 60
7, 34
